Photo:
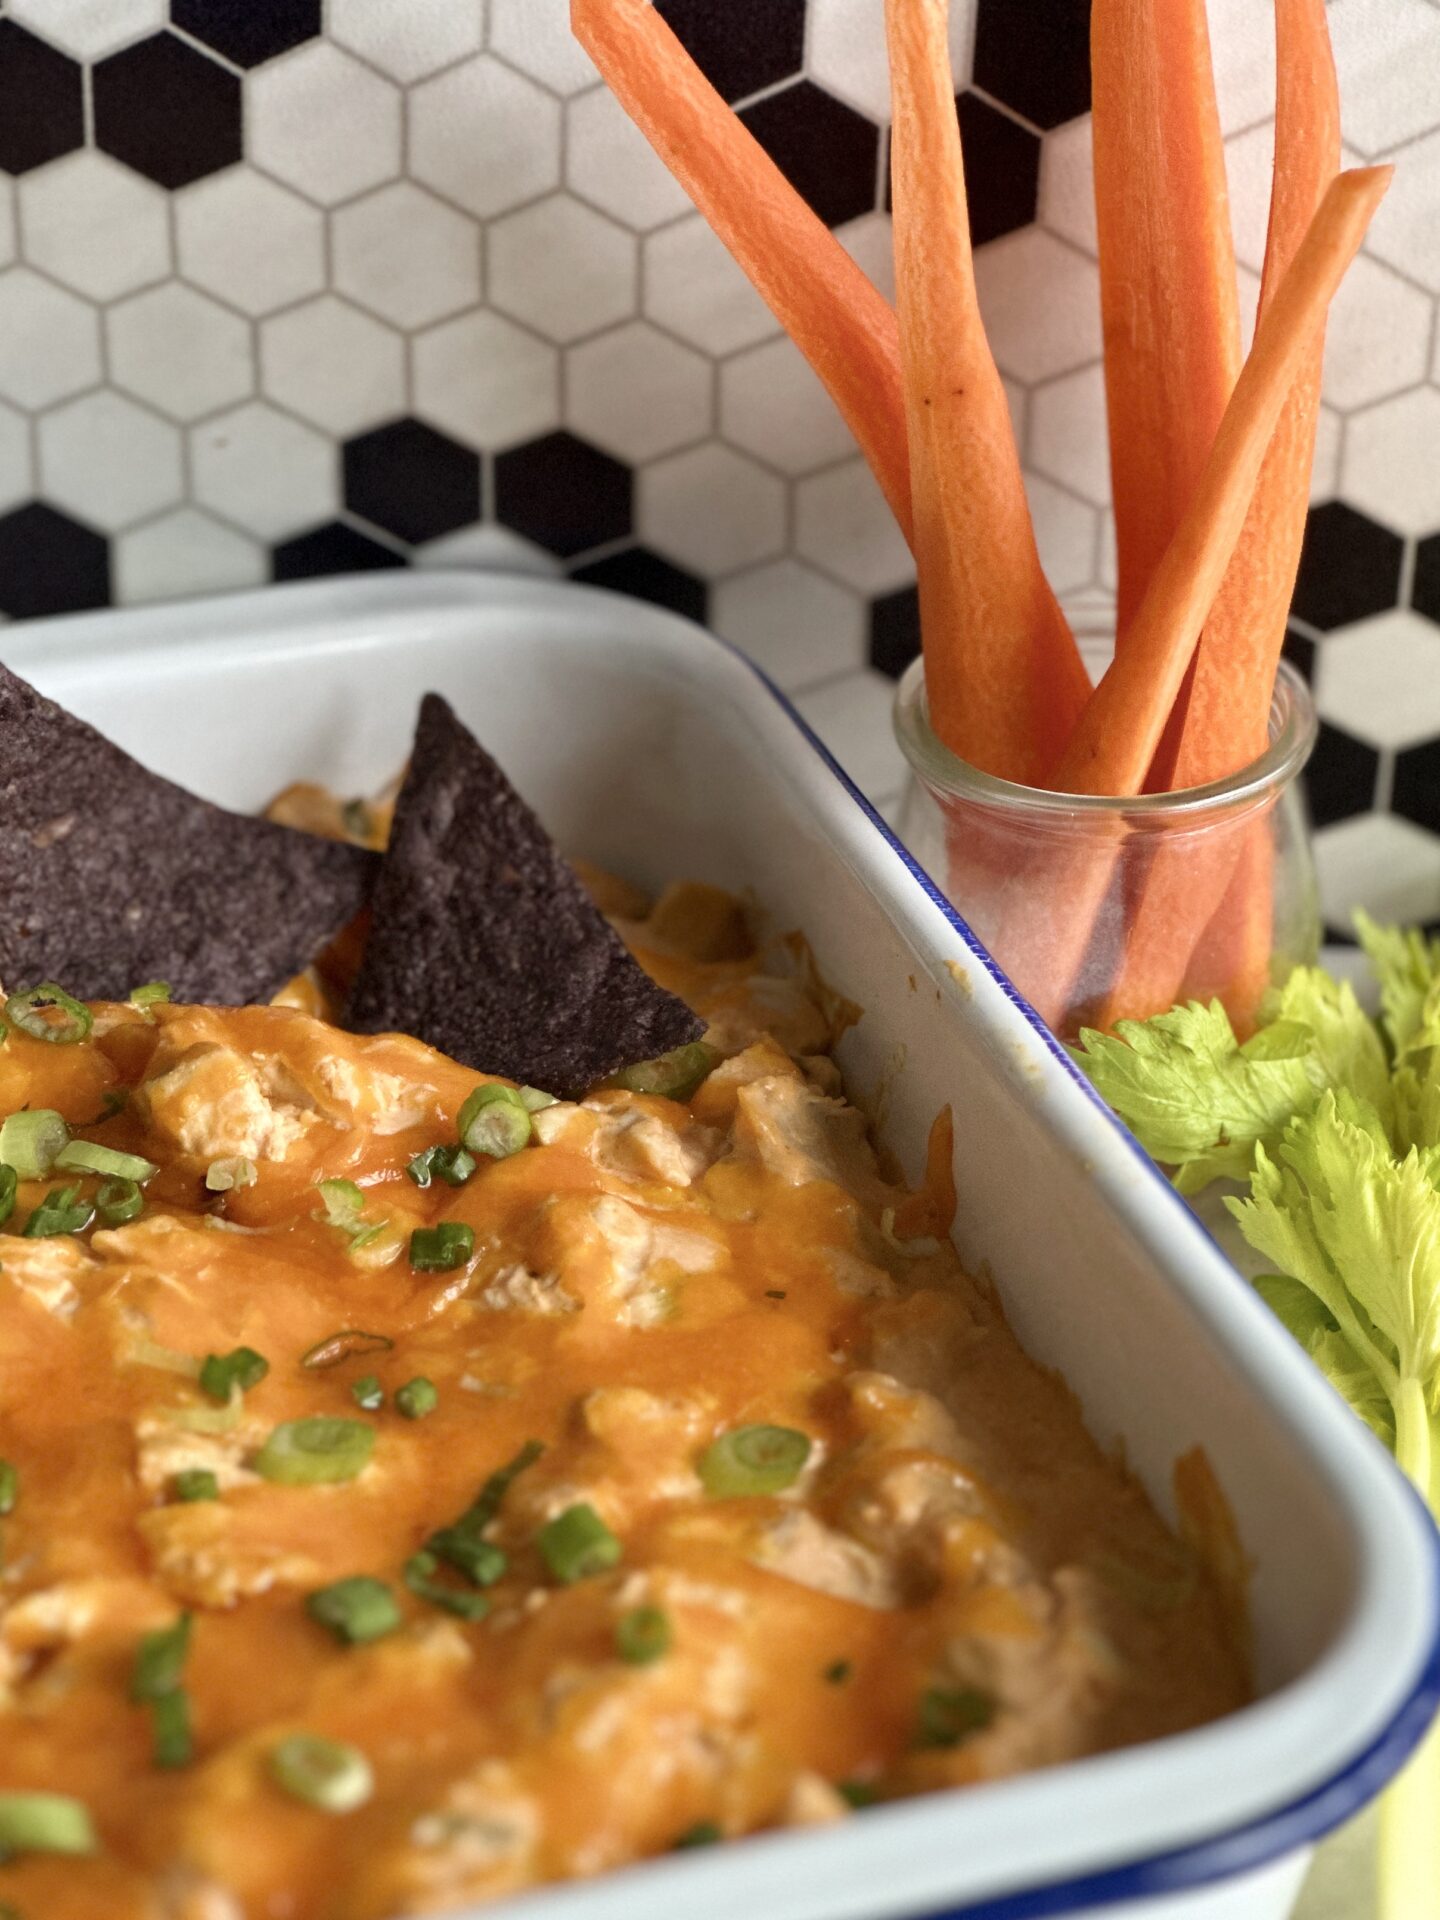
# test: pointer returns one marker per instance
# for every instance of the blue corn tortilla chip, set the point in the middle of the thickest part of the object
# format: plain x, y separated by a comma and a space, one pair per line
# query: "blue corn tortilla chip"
485, 944
111, 876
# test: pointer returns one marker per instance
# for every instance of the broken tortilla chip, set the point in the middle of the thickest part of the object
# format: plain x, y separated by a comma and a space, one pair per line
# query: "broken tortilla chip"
484, 943
111, 876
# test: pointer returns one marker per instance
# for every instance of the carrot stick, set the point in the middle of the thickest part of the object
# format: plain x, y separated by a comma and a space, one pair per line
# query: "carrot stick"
1224, 724
1004, 678
1167, 269
1043, 938
845, 328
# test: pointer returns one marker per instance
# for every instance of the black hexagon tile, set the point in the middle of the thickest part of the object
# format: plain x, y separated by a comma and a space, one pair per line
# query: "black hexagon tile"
412, 481
1340, 780
1299, 650
1425, 595
645, 576
334, 548
50, 564
563, 494
894, 631
1349, 568
1416, 793
167, 111
249, 31
825, 149
42, 113
743, 45
1035, 57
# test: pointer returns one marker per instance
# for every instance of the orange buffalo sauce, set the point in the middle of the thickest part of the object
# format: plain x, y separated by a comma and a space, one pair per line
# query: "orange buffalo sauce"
954, 1585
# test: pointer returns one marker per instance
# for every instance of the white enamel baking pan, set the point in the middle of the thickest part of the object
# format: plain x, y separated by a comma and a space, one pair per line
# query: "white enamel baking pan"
651, 748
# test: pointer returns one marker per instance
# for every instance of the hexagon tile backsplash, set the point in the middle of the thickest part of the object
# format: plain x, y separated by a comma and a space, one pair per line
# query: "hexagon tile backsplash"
296, 286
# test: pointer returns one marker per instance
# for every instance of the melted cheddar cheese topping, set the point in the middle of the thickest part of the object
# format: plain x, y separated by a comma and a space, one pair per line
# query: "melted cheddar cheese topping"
955, 1585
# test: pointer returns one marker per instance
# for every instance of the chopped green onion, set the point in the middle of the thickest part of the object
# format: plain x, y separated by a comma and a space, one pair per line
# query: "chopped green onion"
577, 1544
9, 1487
357, 820
704, 1833
174, 1744
949, 1715
461, 1547
44, 1823
838, 1672
417, 1398
224, 1176
30, 1141
453, 1165
196, 1483
494, 1121
441, 1249
487, 1502
61, 1211
160, 1660
84, 1156
316, 1452
118, 1201
420, 1570
153, 993
642, 1635
29, 1013
355, 1610
222, 1373
348, 1344
144, 1352
344, 1206
534, 1100
858, 1793
751, 1460
368, 1393
210, 1419
673, 1076
9, 1187
323, 1773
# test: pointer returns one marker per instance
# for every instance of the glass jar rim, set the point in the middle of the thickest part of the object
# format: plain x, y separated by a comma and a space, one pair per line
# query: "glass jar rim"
1294, 726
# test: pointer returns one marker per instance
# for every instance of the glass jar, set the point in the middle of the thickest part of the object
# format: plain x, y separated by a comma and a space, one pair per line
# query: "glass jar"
1102, 909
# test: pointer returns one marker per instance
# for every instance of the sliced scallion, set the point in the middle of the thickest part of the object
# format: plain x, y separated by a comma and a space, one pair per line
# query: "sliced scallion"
417, 1399
355, 1610
321, 1450
44, 1823
673, 1076
154, 993
9, 1187
224, 1176
222, 1373
195, 1483
577, 1544
323, 1773
350, 1343
858, 1793
160, 1660
118, 1201
494, 1121
752, 1460
949, 1715
443, 1248
486, 1504
48, 1013
61, 1211
642, 1635
344, 1204
535, 1099
9, 1487
454, 1165
174, 1740
30, 1141
420, 1571
704, 1833
368, 1393
86, 1156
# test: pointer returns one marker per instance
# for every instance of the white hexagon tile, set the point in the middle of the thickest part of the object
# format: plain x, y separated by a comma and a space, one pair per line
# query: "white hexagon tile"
294, 287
